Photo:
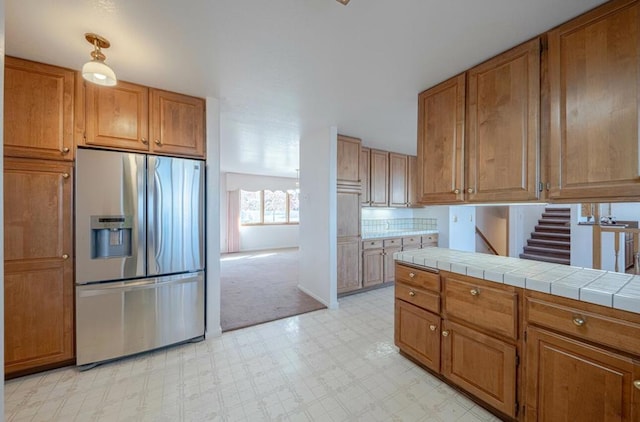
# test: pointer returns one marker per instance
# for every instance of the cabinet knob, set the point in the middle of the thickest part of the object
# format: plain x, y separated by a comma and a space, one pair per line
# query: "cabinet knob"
144, 141
65, 175
432, 327
456, 191
445, 333
157, 141
65, 256
412, 293
412, 275
470, 190
65, 150
579, 321
474, 292
636, 384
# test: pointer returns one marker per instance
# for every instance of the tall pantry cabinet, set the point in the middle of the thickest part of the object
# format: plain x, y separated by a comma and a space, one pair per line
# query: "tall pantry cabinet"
38, 207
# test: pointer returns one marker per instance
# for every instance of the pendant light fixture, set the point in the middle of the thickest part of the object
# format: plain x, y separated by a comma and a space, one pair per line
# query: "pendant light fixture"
95, 70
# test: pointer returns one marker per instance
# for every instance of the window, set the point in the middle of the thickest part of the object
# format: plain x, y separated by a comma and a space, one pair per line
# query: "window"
269, 207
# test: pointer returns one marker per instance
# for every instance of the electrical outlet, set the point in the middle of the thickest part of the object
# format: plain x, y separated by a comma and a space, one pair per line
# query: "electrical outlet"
455, 218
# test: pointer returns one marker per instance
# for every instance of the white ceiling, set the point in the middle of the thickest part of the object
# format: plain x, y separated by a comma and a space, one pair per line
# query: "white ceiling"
280, 67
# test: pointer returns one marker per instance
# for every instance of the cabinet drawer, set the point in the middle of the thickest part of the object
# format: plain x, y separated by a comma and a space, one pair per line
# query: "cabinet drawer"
617, 333
430, 240
392, 242
419, 297
492, 309
409, 241
372, 244
418, 278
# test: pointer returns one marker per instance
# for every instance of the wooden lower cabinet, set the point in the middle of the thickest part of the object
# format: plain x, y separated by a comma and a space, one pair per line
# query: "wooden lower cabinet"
417, 333
568, 380
481, 365
38, 288
372, 267
349, 277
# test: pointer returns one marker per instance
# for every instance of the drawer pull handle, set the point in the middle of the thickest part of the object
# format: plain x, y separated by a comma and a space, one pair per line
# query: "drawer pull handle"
578, 321
412, 275
445, 333
432, 327
636, 384
65, 256
474, 292
144, 141
65, 175
65, 150
412, 293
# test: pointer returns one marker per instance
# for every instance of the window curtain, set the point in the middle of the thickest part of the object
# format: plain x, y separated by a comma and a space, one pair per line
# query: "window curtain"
233, 221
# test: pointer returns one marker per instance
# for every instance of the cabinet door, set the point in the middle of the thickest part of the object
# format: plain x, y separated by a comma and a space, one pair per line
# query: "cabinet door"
372, 267
594, 76
398, 180
38, 287
481, 365
440, 142
379, 178
38, 110
117, 117
412, 180
571, 381
348, 214
177, 124
365, 156
349, 277
389, 263
503, 107
348, 170
417, 333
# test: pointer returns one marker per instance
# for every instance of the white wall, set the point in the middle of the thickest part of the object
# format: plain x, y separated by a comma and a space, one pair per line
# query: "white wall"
254, 238
462, 228
441, 213
318, 205
493, 222
2, 52
257, 237
212, 239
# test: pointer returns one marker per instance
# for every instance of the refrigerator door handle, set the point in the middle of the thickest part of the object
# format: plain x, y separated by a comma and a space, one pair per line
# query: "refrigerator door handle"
94, 290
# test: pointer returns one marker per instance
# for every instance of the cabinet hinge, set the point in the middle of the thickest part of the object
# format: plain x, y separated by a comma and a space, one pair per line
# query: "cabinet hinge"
517, 407
517, 361
84, 136
540, 187
548, 185
525, 336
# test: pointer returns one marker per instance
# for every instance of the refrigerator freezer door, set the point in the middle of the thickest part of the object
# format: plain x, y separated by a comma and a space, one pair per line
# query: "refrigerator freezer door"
122, 318
110, 216
175, 235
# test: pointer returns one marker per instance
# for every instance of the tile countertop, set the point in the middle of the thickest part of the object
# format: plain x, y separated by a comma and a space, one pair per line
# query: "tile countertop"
395, 233
606, 288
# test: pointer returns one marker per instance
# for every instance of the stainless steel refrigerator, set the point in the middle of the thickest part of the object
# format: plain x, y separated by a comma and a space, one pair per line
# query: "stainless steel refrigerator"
139, 253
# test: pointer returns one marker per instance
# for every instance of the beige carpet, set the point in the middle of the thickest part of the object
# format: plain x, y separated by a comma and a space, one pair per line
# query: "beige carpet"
261, 286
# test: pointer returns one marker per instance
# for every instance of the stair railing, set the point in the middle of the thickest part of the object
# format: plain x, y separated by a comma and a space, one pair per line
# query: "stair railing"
486, 241
597, 245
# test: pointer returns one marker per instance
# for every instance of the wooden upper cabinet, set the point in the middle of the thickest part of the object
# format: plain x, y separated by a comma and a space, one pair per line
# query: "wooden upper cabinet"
117, 117
398, 180
348, 171
571, 380
594, 77
412, 180
365, 158
503, 107
177, 124
38, 110
441, 111
38, 288
379, 180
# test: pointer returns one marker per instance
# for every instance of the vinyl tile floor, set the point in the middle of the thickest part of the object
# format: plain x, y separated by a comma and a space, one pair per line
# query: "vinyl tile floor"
326, 365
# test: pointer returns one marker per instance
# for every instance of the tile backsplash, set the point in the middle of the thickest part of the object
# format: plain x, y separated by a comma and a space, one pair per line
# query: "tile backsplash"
398, 224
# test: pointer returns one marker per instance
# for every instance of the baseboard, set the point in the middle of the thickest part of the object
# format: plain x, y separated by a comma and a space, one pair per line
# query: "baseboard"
313, 295
217, 332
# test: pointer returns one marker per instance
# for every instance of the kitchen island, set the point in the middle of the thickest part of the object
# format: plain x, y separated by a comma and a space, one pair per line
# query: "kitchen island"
528, 340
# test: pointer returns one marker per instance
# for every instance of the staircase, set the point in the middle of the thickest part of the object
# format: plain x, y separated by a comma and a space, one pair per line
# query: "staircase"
551, 240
